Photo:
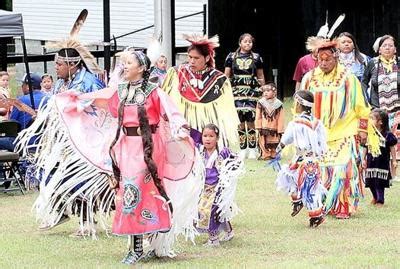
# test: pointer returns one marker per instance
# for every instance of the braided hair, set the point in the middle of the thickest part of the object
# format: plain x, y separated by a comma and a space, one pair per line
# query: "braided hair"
145, 129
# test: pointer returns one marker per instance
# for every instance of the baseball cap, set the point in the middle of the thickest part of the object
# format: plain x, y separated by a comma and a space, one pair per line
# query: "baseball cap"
35, 79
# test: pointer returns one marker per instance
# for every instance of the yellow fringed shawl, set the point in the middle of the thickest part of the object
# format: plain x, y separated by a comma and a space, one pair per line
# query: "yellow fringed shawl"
221, 112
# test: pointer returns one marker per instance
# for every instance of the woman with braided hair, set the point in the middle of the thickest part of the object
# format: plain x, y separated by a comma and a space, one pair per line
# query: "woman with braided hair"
130, 138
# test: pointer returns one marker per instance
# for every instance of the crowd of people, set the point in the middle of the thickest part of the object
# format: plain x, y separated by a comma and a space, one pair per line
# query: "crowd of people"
163, 148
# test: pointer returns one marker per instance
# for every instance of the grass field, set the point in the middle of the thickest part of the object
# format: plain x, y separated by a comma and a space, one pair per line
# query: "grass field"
266, 236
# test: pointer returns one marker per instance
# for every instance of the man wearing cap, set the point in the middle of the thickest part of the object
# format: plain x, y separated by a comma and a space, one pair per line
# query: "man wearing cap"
343, 108
22, 117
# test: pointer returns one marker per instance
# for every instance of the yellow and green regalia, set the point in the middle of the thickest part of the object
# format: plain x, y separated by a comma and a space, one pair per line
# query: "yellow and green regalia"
340, 103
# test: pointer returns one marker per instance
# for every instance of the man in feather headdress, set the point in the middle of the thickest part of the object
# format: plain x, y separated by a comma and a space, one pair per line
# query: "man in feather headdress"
73, 72
75, 68
75, 65
203, 94
343, 109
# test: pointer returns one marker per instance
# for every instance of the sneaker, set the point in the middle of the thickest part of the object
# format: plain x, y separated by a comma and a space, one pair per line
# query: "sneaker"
132, 257
227, 237
297, 206
212, 243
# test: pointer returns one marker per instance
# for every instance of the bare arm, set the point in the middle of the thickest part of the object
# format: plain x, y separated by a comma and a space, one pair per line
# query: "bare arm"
297, 86
393, 161
260, 76
227, 72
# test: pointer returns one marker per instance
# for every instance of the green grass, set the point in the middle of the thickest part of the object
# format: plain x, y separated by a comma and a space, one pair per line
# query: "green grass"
266, 236
14, 84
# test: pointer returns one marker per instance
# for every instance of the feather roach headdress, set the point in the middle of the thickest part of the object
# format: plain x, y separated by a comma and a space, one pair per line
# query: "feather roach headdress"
72, 42
203, 41
325, 32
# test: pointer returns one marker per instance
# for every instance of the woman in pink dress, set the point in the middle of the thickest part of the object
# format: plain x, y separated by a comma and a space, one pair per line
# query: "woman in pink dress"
132, 135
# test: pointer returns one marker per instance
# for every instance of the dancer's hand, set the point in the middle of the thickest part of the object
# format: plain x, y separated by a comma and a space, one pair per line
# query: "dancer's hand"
183, 132
114, 184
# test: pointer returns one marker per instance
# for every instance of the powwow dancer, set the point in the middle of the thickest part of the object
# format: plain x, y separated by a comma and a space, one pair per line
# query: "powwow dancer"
151, 159
379, 170
202, 93
301, 179
76, 69
269, 121
245, 69
340, 105
217, 207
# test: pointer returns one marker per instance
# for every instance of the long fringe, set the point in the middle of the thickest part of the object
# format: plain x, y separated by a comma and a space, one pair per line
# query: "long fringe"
185, 213
221, 112
231, 169
66, 176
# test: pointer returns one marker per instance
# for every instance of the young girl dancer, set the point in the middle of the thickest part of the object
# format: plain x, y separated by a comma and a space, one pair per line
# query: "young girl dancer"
245, 68
380, 169
302, 177
217, 207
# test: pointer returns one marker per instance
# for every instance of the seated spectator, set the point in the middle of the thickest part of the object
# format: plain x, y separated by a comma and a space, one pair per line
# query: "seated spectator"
22, 117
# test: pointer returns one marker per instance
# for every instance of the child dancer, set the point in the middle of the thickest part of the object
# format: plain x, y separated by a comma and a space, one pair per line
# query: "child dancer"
379, 170
269, 121
217, 207
301, 178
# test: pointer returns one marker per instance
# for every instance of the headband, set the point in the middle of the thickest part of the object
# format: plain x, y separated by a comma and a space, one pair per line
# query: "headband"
302, 101
66, 58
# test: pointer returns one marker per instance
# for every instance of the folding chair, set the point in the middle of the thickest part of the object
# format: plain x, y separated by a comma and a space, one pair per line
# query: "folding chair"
9, 161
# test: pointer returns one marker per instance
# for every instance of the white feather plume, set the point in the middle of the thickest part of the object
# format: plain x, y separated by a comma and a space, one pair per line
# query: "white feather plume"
336, 25
154, 50
323, 31
376, 44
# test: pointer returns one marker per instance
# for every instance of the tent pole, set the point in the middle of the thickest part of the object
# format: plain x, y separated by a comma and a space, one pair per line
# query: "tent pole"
28, 75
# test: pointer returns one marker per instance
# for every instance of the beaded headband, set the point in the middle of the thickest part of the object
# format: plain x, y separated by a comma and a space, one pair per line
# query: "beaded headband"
302, 101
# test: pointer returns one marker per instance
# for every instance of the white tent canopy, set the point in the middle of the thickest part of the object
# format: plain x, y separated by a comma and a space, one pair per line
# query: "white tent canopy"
11, 24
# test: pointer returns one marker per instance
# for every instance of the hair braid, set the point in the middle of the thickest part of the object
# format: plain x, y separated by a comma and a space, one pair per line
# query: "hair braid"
114, 164
147, 142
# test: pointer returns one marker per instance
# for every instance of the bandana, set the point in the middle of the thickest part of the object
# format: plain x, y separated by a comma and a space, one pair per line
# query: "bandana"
326, 54
388, 64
